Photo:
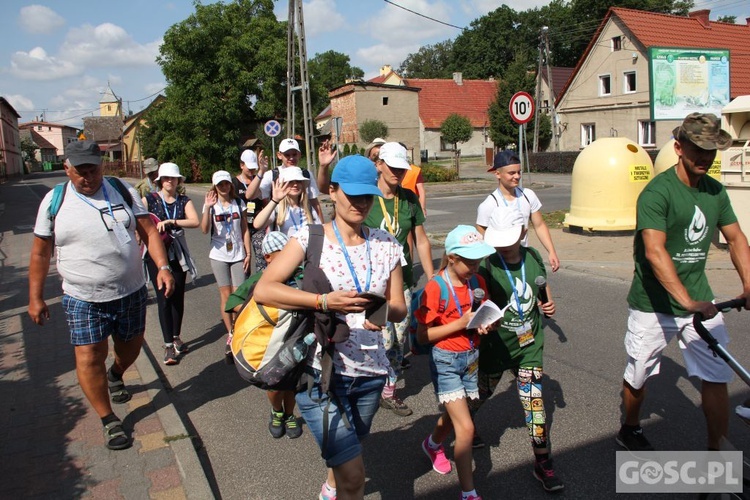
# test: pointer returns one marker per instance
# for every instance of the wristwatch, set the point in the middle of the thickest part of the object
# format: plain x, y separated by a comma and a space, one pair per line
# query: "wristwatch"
165, 268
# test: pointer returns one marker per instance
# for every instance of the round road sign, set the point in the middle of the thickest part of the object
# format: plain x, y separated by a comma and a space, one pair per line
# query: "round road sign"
272, 128
521, 107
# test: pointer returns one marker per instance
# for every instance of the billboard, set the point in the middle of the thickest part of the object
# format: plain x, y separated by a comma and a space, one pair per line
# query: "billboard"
685, 80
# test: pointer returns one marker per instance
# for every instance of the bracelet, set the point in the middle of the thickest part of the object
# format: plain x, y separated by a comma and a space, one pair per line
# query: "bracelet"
317, 302
276, 202
324, 303
165, 268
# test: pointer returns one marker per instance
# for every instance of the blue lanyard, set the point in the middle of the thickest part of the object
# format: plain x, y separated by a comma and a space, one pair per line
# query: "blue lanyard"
294, 220
512, 284
518, 199
458, 304
106, 198
227, 220
349, 260
166, 210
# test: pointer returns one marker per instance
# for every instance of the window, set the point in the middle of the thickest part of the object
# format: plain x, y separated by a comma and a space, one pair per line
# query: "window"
385, 101
628, 82
605, 85
588, 134
545, 105
445, 146
646, 133
616, 43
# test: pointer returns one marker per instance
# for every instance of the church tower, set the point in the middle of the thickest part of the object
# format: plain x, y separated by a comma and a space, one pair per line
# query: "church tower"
109, 104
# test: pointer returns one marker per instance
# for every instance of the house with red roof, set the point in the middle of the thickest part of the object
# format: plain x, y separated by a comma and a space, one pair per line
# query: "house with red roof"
414, 109
610, 94
50, 137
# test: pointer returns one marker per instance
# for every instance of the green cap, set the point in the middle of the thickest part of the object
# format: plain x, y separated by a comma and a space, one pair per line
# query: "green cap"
703, 130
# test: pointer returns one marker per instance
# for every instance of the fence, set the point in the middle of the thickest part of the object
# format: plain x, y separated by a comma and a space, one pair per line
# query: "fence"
560, 162
130, 169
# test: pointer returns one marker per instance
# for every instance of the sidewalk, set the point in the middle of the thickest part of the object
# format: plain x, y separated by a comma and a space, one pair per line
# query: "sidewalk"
51, 441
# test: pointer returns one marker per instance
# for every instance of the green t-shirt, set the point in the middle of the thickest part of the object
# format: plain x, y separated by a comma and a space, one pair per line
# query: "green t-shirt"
500, 350
239, 296
410, 215
689, 217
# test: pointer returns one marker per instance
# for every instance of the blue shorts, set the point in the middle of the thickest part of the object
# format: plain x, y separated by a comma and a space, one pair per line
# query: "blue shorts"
92, 322
359, 399
454, 374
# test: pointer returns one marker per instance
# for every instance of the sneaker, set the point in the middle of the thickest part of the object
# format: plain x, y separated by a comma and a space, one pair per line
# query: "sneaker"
326, 493
545, 472
276, 425
477, 442
440, 463
180, 347
633, 440
395, 404
472, 497
292, 427
170, 355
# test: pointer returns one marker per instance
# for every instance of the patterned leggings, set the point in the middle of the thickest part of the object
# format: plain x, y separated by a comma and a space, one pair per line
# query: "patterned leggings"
529, 385
394, 340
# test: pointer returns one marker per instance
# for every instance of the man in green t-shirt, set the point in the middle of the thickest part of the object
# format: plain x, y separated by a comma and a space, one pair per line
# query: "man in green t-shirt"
677, 214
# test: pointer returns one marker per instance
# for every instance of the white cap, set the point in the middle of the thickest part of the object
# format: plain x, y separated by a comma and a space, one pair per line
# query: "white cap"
169, 170
505, 227
220, 176
250, 159
394, 155
287, 174
288, 144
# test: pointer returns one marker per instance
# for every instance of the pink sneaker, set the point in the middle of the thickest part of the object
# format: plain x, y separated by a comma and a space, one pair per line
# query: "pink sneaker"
326, 493
440, 463
472, 497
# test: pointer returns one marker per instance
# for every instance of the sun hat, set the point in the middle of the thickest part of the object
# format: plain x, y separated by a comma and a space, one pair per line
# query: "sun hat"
288, 144
79, 153
287, 174
356, 175
504, 228
394, 155
220, 176
375, 143
467, 242
169, 170
273, 242
503, 159
150, 165
704, 130
250, 159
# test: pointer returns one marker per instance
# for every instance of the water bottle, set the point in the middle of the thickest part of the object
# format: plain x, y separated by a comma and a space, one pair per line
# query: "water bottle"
292, 356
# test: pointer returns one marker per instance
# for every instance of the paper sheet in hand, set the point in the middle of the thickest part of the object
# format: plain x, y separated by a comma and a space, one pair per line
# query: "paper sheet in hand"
487, 314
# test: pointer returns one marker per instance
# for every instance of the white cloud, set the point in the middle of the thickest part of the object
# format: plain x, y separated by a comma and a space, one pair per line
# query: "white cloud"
38, 65
107, 45
382, 54
20, 103
396, 27
38, 19
321, 17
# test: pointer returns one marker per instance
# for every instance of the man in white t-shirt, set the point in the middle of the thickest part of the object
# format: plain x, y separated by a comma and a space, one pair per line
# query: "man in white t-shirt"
91, 223
289, 154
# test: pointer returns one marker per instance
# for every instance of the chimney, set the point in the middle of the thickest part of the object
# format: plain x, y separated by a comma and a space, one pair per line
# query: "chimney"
384, 70
747, 21
458, 77
701, 16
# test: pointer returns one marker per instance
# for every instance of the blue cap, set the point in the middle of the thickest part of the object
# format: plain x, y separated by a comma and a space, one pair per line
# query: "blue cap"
505, 158
467, 242
356, 175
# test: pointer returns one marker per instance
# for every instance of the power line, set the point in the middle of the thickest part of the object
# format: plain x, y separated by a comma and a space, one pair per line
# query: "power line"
424, 16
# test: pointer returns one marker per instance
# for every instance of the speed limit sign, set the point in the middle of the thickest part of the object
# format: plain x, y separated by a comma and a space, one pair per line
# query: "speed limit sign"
521, 107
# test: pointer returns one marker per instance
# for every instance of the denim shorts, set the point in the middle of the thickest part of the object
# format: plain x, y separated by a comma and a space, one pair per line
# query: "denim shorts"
454, 374
92, 322
358, 398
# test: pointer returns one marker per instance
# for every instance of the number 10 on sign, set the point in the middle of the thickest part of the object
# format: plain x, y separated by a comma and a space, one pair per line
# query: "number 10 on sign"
521, 107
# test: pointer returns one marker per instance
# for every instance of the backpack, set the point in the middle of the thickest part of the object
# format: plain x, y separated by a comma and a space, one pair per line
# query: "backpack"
416, 299
263, 335
59, 191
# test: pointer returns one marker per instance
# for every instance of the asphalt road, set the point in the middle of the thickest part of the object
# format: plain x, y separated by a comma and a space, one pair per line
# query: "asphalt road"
584, 362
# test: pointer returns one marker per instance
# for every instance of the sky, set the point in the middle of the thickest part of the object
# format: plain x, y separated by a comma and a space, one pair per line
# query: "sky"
57, 56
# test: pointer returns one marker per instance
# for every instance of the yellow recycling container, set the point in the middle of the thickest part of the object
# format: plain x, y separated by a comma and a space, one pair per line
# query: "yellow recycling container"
608, 176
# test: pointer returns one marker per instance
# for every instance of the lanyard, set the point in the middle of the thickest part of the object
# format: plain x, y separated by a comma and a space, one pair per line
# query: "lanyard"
166, 210
294, 219
458, 304
387, 217
518, 199
513, 286
106, 198
227, 220
349, 260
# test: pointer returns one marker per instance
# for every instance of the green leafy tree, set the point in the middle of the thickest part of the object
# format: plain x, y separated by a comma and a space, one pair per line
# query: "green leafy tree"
225, 67
327, 71
503, 130
727, 19
370, 129
430, 61
488, 46
28, 149
455, 129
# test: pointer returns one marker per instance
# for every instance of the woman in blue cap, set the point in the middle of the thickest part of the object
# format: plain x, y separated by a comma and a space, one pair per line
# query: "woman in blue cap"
355, 259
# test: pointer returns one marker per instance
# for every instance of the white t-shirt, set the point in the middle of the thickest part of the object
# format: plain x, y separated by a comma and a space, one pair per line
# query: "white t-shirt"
94, 265
266, 185
295, 219
526, 202
227, 227
363, 353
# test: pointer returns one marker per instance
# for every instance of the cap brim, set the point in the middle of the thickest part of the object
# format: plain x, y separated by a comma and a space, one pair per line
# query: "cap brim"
502, 238
397, 163
85, 160
475, 251
355, 189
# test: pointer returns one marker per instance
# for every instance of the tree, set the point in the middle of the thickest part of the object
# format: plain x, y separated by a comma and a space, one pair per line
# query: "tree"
503, 130
371, 129
727, 19
225, 67
28, 149
454, 129
430, 61
327, 71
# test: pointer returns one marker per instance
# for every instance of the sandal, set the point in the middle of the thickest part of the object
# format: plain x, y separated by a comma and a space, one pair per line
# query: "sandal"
119, 392
115, 436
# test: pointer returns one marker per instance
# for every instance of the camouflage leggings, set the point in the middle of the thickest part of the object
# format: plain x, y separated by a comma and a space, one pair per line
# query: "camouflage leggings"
394, 339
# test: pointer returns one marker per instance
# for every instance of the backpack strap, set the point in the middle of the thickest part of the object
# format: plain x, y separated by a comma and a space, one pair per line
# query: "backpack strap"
122, 189
58, 195
497, 202
262, 311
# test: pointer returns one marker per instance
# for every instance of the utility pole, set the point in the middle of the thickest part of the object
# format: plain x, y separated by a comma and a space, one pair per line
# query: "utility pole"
290, 73
538, 93
552, 97
296, 24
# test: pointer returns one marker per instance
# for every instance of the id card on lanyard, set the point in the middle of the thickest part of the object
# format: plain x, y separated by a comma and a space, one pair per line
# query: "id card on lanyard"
348, 259
121, 232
